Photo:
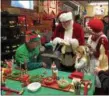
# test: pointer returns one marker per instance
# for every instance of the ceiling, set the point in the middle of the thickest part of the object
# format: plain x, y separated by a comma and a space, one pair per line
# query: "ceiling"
82, 2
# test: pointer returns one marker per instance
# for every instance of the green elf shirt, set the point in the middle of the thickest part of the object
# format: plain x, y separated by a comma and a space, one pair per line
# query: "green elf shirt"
32, 58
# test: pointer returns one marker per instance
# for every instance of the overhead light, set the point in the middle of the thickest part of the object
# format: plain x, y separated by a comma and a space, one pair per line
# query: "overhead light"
98, 3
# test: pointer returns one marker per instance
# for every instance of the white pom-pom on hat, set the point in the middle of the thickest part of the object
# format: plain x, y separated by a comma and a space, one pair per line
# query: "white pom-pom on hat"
65, 16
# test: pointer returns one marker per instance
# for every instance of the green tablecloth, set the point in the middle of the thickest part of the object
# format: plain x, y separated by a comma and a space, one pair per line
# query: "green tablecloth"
48, 91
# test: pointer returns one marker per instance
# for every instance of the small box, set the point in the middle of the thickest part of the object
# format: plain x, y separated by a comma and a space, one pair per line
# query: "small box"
76, 74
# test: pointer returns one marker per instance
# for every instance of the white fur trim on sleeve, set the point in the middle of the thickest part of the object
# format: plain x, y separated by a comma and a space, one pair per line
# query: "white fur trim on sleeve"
74, 43
65, 16
56, 40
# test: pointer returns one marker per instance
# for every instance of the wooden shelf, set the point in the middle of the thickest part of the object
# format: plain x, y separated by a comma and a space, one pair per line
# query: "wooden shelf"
11, 34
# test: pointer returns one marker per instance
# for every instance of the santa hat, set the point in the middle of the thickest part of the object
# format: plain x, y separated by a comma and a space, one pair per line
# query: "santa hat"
31, 36
65, 16
96, 25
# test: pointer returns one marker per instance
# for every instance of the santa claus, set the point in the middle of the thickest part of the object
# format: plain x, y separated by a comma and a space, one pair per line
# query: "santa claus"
69, 35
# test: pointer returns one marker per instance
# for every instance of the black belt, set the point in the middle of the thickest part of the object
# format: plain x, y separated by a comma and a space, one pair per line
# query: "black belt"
69, 53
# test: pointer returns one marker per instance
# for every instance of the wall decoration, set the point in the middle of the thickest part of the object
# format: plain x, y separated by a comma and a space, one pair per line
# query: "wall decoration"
53, 7
52, 4
46, 6
99, 10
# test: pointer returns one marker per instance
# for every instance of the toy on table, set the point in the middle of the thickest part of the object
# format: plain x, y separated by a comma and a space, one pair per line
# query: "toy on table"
86, 84
15, 75
6, 71
49, 80
77, 87
54, 71
103, 59
62, 83
3, 77
36, 78
24, 79
76, 78
76, 74
53, 66
24, 75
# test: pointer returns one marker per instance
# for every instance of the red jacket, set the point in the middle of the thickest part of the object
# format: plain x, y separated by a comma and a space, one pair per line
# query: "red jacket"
104, 41
78, 33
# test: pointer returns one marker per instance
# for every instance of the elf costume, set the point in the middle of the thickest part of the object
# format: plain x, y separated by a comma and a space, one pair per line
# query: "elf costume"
24, 55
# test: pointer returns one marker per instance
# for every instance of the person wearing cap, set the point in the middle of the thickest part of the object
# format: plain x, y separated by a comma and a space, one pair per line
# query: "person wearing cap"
95, 40
70, 34
29, 53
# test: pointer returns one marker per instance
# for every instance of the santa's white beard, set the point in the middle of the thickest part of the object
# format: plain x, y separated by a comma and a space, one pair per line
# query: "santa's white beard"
68, 27
68, 31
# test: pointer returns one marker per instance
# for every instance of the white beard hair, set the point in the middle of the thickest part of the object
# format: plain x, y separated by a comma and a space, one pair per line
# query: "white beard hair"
68, 31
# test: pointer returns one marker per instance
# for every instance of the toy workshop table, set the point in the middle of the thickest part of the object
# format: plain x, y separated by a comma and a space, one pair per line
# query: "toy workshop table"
16, 85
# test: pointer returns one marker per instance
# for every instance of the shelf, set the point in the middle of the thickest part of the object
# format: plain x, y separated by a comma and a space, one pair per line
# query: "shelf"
11, 15
7, 53
4, 53
7, 26
10, 40
11, 34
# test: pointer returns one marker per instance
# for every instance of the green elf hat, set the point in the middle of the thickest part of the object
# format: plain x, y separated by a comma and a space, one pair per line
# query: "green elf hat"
31, 36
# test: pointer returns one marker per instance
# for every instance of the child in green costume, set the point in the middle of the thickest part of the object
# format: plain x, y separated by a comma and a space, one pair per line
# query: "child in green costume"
29, 53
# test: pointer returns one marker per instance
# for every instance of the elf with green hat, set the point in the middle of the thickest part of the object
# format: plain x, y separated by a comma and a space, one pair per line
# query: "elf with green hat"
29, 52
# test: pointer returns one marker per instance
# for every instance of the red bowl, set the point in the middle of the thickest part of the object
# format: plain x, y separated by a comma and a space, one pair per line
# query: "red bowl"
49, 81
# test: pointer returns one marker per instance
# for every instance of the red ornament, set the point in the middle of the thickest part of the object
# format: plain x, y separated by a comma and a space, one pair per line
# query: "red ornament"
25, 79
21, 19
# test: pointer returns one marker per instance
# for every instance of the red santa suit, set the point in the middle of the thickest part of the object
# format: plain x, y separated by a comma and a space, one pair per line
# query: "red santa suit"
77, 33
74, 35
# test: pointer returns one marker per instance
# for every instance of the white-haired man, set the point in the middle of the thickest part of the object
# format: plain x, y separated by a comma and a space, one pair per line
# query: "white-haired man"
69, 35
